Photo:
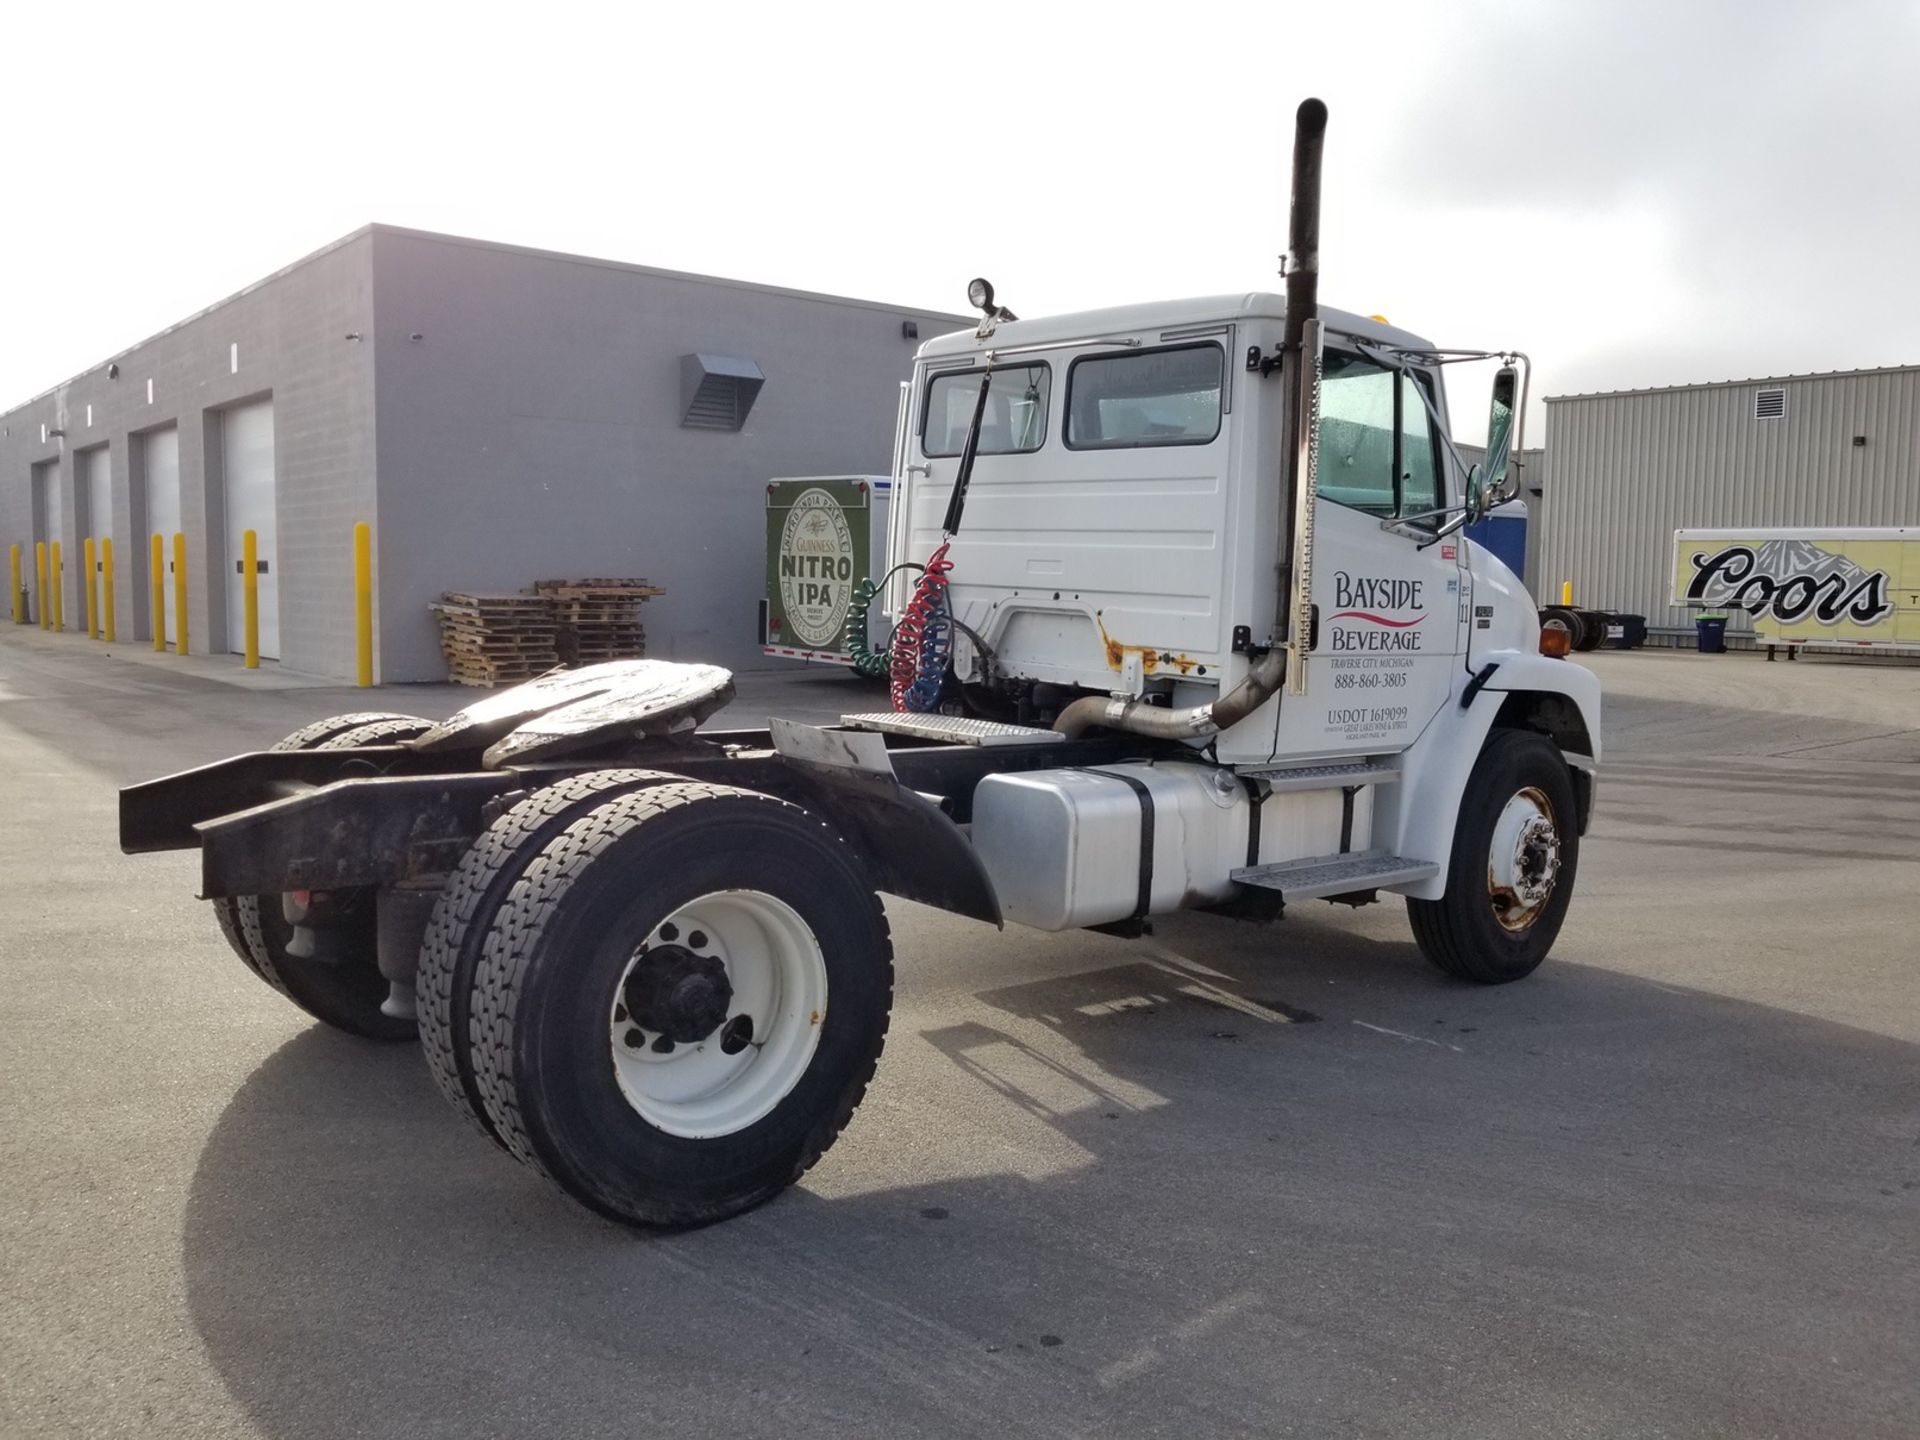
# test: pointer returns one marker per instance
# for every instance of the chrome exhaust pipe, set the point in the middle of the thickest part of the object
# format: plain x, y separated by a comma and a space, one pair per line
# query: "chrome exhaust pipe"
1262, 682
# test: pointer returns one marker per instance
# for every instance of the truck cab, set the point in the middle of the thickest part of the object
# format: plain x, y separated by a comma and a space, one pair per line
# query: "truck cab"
1125, 529
1122, 523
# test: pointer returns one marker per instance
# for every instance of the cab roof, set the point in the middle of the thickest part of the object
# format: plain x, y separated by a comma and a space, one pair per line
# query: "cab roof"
1160, 315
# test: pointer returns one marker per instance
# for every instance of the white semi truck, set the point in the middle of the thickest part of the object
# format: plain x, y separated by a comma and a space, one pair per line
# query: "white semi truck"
1184, 621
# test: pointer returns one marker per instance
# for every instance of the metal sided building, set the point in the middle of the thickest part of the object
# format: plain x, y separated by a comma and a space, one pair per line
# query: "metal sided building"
1629, 468
497, 415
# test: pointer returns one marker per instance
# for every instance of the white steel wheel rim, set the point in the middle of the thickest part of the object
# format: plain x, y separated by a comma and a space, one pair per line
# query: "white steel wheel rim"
704, 1088
1523, 862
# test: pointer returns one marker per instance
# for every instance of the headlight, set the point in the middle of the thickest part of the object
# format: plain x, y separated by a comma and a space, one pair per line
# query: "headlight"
980, 295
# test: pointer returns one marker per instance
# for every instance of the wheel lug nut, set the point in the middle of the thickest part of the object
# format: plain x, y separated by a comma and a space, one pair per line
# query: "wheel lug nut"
634, 1039
697, 939
661, 1045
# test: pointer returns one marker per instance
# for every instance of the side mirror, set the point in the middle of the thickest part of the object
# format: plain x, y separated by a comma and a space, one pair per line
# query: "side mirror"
1501, 414
1476, 496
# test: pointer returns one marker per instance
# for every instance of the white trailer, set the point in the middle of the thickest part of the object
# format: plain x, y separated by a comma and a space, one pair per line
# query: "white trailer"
1187, 622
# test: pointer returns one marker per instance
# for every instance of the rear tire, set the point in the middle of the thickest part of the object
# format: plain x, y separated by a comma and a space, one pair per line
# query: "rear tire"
347, 993
456, 935
1516, 847
607, 1032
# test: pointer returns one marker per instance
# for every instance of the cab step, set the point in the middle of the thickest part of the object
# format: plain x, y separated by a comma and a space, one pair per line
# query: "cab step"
951, 729
1325, 875
1321, 777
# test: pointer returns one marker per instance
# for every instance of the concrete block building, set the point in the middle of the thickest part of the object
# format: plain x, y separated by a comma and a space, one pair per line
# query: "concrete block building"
497, 415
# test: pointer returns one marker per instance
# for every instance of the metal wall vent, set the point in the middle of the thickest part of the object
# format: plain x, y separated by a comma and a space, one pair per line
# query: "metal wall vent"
1770, 404
717, 391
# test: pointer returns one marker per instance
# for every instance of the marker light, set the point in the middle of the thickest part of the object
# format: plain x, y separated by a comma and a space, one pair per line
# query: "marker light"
1555, 639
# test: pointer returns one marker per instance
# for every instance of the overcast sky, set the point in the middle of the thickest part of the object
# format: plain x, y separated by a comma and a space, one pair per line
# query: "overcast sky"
1636, 194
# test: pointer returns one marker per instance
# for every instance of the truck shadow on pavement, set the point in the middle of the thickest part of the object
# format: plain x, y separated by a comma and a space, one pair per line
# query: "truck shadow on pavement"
1312, 1196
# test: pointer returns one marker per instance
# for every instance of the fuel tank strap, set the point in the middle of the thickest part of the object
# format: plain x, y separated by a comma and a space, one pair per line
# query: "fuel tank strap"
1145, 901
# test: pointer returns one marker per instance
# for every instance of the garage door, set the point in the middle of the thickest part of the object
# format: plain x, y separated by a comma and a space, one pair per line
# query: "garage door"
247, 449
162, 459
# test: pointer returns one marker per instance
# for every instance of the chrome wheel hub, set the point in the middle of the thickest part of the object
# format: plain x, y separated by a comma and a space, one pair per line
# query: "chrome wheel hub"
1523, 863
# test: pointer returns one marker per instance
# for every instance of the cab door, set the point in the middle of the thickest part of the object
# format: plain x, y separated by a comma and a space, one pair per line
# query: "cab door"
1388, 597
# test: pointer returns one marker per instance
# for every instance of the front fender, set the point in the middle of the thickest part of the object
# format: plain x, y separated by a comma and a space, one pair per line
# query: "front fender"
1416, 817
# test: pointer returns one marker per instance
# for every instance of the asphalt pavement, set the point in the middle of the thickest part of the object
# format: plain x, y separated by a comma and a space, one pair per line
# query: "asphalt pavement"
1227, 1180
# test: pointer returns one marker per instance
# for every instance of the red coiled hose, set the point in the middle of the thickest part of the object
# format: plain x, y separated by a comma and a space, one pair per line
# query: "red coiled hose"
922, 616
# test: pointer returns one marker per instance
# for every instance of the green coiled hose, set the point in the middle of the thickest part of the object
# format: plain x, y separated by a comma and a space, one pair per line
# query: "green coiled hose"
866, 660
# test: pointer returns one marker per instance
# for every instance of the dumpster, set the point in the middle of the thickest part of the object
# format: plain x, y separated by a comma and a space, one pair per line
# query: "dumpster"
1626, 632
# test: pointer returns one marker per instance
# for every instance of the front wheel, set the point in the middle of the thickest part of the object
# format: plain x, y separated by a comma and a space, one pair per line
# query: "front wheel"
1515, 848
681, 1001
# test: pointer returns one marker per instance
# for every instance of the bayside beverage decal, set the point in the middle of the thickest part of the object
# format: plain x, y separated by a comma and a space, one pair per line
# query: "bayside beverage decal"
1376, 613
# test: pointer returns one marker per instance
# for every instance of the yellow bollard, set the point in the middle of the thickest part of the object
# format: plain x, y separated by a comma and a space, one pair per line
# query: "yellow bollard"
1566, 592
93, 589
19, 600
59, 600
106, 587
180, 592
157, 568
363, 602
40, 580
250, 593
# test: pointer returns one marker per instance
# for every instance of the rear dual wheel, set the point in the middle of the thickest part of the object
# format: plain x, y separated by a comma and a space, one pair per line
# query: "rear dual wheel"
349, 991
451, 950
679, 1003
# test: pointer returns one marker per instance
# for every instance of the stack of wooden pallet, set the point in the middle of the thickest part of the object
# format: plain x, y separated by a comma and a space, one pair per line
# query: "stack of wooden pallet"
496, 639
598, 619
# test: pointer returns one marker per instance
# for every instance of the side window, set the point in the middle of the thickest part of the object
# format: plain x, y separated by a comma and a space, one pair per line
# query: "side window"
1015, 421
1419, 480
1356, 434
1152, 397
1357, 423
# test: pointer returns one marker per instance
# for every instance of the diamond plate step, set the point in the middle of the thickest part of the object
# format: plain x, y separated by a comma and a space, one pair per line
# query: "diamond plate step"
1326, 875
1322, 777
953, 729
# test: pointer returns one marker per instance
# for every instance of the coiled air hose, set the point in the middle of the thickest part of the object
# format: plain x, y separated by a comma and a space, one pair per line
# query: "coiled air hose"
867, 661
917, 660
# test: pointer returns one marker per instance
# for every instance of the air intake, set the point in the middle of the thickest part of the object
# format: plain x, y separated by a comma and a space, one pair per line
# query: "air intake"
717, 391
1770, 404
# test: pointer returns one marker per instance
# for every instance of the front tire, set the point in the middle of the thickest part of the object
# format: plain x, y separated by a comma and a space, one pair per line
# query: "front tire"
681, 1003
1516, 846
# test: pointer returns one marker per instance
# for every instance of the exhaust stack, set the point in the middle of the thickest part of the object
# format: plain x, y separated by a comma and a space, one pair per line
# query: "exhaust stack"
1293, 612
